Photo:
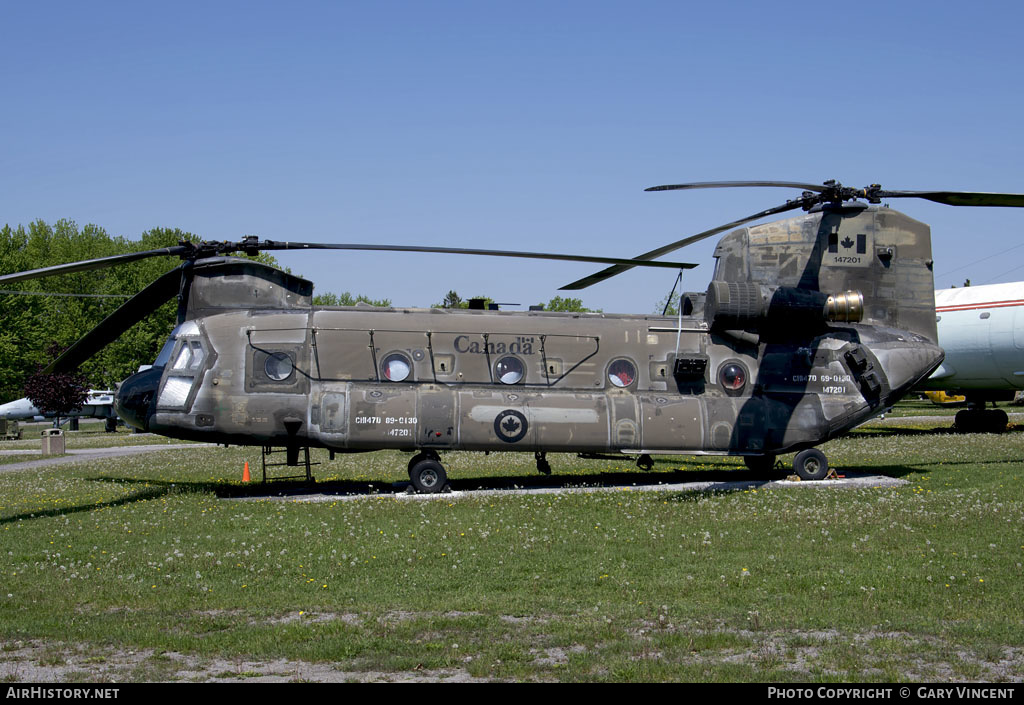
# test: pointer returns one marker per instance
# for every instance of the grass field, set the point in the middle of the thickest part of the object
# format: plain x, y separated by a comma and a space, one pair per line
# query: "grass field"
140, 568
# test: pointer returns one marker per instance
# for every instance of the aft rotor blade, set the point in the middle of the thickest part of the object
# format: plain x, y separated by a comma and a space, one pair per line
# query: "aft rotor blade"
640, 259
961, 198
127, 315
274, 245
90, 264
817, 188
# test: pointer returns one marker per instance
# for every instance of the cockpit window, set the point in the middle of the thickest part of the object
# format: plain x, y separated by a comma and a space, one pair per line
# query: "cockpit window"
198, 354
165, 352
184, 357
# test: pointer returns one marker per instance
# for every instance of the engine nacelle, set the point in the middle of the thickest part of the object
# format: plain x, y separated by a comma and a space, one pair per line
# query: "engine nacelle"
749, 306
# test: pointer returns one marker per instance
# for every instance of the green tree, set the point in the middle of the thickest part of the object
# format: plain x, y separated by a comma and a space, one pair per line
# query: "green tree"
453, 300
568, 304
64, 308
347, 299
672, 308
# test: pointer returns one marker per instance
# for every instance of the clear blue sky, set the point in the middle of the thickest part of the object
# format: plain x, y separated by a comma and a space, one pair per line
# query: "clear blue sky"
508, 125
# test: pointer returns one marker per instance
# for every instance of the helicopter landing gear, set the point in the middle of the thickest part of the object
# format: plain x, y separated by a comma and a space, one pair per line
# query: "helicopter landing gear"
981, 420
760, 464
427, 474
810, 464
543, 466
645, 462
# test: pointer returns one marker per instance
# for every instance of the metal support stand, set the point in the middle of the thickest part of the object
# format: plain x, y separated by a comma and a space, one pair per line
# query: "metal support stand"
269, 450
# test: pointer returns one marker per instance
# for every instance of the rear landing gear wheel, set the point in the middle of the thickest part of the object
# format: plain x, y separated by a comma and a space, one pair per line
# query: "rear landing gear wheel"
543, 466
428, 476
645, 462
810, 464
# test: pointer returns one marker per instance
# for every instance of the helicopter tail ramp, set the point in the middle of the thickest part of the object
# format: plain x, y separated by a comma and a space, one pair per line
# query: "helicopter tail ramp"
882, 253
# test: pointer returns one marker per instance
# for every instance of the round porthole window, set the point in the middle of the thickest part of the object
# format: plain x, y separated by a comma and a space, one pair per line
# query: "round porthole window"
509, 370
279, 366
396, 367
622, 373
732, 377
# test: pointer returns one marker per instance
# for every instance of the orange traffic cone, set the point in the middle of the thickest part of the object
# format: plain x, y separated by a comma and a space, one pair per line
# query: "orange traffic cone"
245, 473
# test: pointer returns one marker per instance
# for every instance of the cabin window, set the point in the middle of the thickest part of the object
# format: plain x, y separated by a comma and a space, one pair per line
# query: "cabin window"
279, 366
732, 377
509, 370
396, 367
622, 373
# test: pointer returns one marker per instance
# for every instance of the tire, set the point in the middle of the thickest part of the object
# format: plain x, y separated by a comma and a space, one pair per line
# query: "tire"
981, 421
810, 464
421, 456
760, 464
428, 476
996, 420
966, 421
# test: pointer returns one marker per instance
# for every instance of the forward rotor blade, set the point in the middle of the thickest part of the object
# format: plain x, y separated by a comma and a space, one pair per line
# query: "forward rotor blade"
90, 264
961, 198
640, 259
126, 316
273, 245
817, 188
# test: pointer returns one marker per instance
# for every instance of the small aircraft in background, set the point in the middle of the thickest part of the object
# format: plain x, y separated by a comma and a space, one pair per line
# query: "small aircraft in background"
981, 329
98, 405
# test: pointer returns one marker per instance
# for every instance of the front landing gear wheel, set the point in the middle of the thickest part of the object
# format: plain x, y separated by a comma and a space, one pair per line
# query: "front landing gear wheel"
428, 476
423, 455
810, 464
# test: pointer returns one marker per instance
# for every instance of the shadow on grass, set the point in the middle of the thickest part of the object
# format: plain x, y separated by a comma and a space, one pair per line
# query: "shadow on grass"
887, 432
144, 495
721, 474
716, 480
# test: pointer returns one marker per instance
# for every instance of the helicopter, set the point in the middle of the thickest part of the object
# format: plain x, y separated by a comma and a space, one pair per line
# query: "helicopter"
810, 326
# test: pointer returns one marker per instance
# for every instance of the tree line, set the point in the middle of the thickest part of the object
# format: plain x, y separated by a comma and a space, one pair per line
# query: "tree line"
40, 317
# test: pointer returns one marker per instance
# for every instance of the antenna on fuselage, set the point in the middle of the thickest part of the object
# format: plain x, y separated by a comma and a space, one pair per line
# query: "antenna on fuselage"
679, 312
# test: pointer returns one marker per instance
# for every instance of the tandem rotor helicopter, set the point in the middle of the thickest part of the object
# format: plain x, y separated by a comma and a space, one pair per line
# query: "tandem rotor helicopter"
810, 326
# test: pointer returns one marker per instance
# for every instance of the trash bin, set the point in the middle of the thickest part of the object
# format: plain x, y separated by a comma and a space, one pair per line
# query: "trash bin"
53, 441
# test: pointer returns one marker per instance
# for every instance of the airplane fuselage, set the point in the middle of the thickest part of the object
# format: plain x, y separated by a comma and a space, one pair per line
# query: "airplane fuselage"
981, 330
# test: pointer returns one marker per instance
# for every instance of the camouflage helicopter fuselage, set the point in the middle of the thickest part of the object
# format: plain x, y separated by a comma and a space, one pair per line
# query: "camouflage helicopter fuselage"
766, 362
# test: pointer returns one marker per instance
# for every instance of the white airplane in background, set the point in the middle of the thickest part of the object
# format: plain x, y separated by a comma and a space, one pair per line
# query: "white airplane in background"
981, 328
98, 405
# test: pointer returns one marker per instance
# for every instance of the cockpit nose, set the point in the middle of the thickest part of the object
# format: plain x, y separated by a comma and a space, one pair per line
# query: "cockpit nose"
135, 398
